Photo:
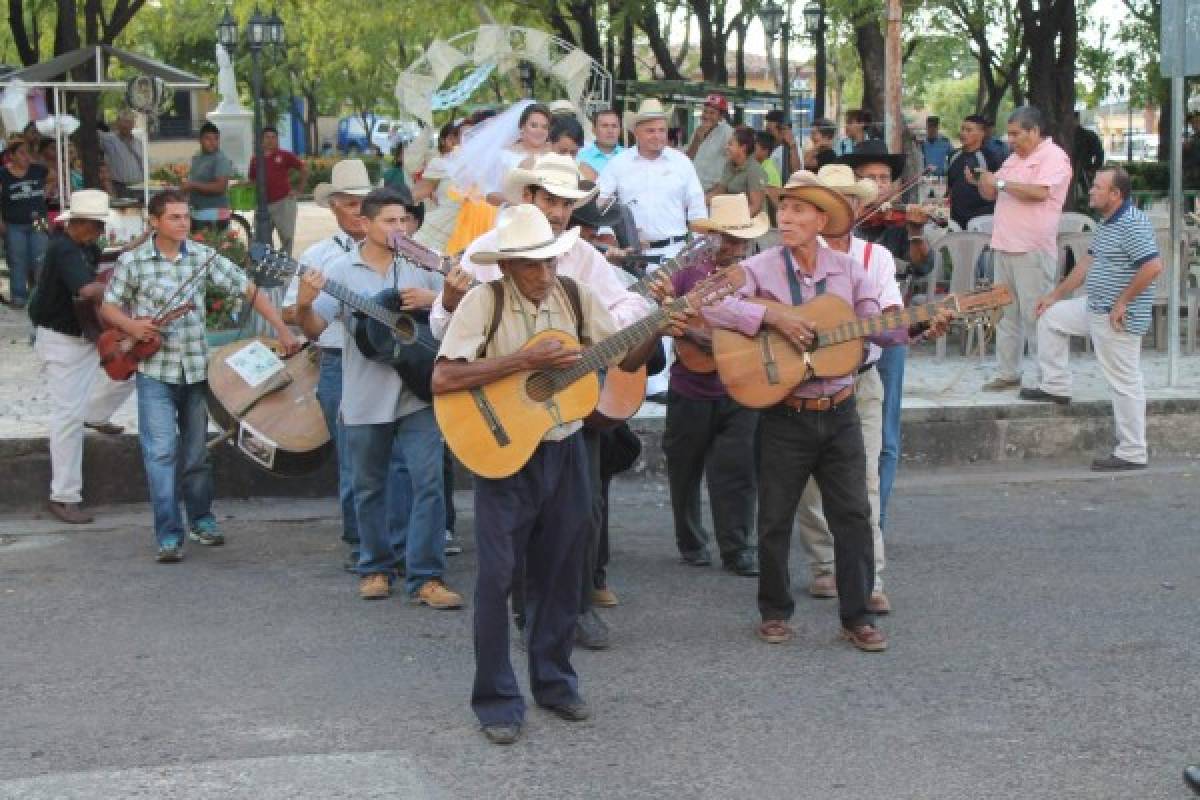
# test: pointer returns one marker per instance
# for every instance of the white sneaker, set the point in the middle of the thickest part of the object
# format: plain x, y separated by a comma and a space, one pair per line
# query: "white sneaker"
452, 548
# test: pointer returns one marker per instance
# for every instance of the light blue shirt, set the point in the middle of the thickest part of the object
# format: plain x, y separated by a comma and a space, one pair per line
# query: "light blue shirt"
937, 154
596, 158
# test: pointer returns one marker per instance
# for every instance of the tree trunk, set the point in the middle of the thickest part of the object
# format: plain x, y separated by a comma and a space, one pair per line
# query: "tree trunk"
628, 61
739, 64
1051, 32
658, 45
869, 42
584, 14
27, 44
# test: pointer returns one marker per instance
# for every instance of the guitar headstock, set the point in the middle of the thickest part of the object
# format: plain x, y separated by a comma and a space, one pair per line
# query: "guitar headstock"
713, 288
268, 266
985, 299
417, 254
696, 248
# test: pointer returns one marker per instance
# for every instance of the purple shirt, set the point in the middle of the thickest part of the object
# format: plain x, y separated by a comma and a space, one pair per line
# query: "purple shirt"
690, 384
838, 273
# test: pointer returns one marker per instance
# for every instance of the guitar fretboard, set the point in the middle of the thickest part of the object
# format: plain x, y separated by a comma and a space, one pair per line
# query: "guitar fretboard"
882, 323
669, 267
601, 354
351, 298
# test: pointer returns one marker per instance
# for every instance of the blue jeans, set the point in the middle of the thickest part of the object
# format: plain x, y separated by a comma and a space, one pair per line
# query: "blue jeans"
392, 527
24, 248
329, 395
891, 372
172, 427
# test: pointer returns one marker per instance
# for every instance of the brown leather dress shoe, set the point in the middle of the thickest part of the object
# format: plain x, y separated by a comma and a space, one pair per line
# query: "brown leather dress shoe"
878, 603
604, 598
71, 513
866, 637
823, 586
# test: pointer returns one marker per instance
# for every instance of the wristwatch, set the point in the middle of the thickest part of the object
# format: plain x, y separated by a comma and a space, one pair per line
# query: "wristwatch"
1000, 184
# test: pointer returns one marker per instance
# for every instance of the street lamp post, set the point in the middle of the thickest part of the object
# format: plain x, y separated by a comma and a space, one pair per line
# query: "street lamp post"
775, 23
814, 26
525, 70
260, 32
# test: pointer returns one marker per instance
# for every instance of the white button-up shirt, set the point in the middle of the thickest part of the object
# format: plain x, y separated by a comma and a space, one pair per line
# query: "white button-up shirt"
320, 256
663, 194
582, 262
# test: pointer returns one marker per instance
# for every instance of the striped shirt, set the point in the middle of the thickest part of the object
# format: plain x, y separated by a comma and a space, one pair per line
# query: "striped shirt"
143, 283
1122, 244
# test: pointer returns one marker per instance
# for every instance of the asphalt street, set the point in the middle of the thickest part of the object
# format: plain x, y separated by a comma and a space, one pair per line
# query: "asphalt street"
1044, 645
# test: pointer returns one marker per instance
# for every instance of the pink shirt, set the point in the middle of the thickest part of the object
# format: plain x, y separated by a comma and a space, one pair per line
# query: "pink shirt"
1022, 227
835, 273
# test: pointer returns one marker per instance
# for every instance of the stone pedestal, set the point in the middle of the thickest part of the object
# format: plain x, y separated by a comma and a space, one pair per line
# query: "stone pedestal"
237, 135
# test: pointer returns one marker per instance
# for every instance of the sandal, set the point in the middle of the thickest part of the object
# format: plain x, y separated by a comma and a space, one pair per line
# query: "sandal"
775, 631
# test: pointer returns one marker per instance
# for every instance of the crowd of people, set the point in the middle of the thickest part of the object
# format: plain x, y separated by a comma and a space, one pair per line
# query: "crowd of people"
555, 233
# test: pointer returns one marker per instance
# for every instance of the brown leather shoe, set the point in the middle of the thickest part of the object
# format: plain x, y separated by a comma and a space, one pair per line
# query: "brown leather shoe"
823, 586
775, 631
878, 603
71, 513
105, 427
866, 637
604, 598
436, 594
374, 587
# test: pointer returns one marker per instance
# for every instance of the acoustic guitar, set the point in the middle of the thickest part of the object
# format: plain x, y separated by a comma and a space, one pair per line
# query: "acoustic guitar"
381, 330
622, 393
494, 429
273, 419
761, 370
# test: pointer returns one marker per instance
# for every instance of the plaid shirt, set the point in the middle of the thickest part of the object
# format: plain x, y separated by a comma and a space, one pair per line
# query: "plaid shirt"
142, 283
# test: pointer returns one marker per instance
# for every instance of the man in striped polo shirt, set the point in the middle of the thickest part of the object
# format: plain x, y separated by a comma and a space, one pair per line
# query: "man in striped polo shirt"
1118, 278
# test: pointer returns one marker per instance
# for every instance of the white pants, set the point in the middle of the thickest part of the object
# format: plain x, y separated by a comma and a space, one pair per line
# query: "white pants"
814, 530
1118, 353
79, 392
1029, 275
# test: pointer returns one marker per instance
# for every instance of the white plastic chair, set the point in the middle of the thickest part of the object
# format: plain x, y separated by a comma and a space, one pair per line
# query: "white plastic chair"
963, 249
980, 224
1074, 222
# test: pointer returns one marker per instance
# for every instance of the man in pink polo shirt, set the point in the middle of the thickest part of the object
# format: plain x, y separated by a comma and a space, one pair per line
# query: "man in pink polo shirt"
1029, 190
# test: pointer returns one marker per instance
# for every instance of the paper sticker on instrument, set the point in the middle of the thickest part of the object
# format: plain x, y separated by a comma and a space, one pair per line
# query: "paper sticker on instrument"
255, 363
258, 447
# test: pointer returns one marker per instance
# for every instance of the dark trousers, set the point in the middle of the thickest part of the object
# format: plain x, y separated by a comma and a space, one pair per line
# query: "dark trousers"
540, 517
827, 446
448, 484
713, 440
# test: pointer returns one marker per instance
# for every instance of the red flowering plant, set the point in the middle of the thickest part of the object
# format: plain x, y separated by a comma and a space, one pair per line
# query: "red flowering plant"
222, 309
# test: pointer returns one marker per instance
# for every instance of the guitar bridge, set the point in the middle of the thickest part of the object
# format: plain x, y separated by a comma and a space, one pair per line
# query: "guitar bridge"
489, 417
768, 359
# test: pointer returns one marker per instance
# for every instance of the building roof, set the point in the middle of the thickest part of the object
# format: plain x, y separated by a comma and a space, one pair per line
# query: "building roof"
56, 69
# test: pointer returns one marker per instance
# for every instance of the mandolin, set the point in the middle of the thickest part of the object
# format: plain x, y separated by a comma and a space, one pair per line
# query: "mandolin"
381, 330
761, 370
494, 429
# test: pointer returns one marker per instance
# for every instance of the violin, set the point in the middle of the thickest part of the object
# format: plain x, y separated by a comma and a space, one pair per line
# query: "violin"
891, 214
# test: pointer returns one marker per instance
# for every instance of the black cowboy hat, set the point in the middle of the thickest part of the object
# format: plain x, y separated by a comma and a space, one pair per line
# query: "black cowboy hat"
590, 213
894, 161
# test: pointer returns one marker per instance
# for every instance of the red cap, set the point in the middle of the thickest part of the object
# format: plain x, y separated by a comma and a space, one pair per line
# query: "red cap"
718, 102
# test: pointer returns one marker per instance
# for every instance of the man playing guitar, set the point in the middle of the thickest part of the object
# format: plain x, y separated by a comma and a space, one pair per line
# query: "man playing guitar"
171, 384
815, 432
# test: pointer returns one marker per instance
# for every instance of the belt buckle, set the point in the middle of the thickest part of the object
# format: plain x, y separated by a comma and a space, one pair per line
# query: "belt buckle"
824, 403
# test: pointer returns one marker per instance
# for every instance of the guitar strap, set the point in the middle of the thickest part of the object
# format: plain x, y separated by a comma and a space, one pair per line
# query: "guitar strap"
570, 288
794, 282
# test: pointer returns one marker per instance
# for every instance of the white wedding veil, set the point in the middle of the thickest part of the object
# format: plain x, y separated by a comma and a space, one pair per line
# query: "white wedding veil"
479, 161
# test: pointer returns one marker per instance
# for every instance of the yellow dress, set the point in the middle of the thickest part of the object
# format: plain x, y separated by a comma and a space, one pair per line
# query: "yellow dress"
476, 217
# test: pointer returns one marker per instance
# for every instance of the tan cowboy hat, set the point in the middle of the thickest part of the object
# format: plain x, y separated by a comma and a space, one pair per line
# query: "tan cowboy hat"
348, 177
811, 189
524, 232
562, 107
647, 110
730, 214
840, 178
558, 175
90, 204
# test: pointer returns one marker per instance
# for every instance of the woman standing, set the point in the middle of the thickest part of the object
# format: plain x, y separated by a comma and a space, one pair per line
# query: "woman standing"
22, 204
533, 134
434, 185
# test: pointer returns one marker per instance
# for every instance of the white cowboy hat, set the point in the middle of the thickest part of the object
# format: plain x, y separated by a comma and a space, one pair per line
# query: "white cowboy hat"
524, 232
90, 204
811, 189
558, 175
731, 214
841, 178
348, 177
649, 109
562, 107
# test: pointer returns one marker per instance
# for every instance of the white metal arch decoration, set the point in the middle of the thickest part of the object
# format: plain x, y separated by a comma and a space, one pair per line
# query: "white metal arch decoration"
587, 83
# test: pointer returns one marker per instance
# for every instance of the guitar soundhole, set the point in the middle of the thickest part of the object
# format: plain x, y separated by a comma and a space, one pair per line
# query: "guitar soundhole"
405, 330
539, 386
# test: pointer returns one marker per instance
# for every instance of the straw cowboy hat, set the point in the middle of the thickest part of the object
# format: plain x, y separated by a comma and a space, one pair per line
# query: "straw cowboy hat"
348, 177
524, 232
558, 175
841, 178
806, 186
731, 215
649, 109
89, 204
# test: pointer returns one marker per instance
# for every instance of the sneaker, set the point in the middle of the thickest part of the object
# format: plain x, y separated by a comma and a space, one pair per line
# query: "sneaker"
604, 598
435, 594
205, 531
453, 548
823, 586
866, 637
1040, 396
374, 587
1115, 464
1001, 384
502, 734
169, 554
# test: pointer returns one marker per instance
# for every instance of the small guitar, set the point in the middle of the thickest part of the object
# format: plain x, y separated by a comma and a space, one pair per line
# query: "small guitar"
761, 370
494, 429
380, 329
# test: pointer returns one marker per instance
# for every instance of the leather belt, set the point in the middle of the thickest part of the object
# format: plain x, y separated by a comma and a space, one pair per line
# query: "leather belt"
819, 403
670, 240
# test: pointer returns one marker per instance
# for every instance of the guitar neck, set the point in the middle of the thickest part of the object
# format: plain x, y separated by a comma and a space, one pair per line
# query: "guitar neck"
355, 300
601, 354
881, 323
666, 270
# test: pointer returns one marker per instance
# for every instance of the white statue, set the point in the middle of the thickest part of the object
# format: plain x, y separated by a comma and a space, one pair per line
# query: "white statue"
226, 82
